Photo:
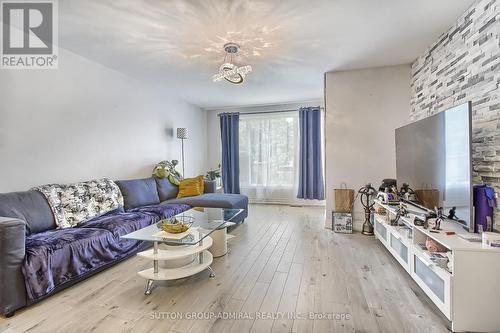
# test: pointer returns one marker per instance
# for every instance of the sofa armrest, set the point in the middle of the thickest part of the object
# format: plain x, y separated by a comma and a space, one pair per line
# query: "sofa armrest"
12, 252
210, 186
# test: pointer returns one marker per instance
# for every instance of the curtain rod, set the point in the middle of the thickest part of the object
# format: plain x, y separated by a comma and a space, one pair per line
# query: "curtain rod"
262, 112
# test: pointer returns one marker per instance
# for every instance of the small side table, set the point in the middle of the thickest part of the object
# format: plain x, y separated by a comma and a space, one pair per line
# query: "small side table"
219, 237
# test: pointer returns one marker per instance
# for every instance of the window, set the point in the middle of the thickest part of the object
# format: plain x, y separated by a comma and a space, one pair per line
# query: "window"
269, 156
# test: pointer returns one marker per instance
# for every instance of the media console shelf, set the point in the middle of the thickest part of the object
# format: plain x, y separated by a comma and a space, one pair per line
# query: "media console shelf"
469, 294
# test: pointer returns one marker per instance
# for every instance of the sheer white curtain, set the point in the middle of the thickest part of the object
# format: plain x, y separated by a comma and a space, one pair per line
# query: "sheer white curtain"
269, 146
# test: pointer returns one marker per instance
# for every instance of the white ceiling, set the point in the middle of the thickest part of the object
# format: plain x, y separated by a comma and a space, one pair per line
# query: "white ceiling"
290, 44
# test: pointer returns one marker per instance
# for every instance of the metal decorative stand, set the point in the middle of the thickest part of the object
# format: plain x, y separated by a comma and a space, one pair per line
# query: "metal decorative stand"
367, 193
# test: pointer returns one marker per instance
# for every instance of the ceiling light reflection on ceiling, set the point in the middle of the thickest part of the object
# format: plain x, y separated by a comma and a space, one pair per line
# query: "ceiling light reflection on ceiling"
229, 70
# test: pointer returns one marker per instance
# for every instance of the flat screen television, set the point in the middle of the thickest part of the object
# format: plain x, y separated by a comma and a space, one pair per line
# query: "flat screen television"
433, 156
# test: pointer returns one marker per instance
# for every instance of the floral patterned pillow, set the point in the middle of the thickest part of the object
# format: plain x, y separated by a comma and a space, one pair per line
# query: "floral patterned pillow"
76, 203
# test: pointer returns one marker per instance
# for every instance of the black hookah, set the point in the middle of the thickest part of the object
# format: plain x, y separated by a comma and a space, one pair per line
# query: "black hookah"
367, 193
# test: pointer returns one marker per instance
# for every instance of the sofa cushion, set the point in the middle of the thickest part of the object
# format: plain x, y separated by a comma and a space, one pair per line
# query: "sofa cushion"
29, 206
122, 223
79, 202
139, 192
215, 200
166, 190
191, 186
59, 256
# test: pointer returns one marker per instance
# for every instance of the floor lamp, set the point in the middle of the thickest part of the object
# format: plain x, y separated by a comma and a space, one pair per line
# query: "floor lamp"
182, 133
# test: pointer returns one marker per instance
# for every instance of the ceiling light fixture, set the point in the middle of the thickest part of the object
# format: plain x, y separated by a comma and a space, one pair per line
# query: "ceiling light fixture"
229, 70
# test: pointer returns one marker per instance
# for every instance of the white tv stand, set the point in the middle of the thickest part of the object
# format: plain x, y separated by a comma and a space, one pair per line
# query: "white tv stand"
469, 296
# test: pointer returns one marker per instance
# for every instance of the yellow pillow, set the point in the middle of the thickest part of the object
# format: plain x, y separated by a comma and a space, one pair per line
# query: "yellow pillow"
191, 186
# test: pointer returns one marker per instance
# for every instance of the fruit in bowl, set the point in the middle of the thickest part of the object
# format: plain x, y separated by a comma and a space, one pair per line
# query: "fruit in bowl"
174, 225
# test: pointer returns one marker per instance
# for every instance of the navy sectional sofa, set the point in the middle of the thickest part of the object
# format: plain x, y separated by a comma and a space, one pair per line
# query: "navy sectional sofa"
37, 259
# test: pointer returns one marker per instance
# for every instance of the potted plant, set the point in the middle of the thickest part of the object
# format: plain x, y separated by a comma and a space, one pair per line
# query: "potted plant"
214, 175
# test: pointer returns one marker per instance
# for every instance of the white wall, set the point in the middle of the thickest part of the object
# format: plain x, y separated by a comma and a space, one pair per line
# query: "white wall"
85, 121
363, 108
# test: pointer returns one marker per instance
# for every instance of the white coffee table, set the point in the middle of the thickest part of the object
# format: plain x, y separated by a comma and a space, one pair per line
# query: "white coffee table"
220, 237
179, 258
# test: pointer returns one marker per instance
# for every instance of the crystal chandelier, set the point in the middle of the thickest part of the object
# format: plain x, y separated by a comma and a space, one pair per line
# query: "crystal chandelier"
229, 70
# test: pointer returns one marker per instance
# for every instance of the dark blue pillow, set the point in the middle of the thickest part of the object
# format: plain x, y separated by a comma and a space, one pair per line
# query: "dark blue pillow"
30, 206
166, 190
138, 192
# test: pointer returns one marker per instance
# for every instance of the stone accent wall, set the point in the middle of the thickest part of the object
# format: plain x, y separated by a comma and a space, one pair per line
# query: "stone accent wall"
464, 65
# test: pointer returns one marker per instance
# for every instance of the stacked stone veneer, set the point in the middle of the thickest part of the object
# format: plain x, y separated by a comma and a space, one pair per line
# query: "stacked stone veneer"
464, 65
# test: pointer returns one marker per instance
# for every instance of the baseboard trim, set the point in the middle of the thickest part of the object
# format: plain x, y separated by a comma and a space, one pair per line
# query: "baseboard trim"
291, 204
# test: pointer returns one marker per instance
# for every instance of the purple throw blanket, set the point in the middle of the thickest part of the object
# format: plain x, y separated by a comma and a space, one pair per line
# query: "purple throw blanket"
162, 211
56, 257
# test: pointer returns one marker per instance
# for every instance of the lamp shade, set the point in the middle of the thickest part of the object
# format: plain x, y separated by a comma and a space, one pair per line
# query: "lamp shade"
182, 133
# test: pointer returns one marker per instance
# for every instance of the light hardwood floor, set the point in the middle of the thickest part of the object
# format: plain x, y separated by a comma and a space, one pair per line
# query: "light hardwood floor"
282, 263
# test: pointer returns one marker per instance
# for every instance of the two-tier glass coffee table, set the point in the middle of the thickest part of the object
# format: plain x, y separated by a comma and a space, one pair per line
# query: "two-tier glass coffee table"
179, 258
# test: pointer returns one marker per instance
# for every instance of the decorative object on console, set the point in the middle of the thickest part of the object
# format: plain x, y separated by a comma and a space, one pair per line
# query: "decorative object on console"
407, 193
367, 194
76, 203
420, 221
388, 192
229, 70
440, 217
387, 198
484, 205
397, 220
182, 134
387, 183
431, 224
